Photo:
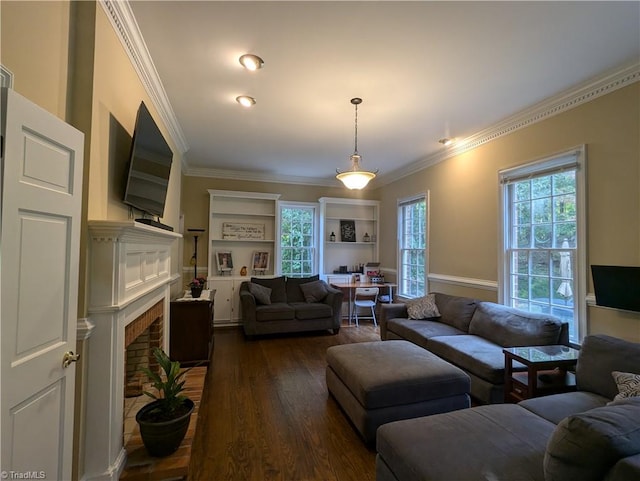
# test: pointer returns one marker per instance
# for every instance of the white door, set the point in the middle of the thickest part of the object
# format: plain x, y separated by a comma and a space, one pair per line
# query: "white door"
39, 245
223, 300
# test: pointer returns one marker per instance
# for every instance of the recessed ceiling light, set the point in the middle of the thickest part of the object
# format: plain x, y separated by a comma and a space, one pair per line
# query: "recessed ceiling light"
246, 101
251, 62
446, 141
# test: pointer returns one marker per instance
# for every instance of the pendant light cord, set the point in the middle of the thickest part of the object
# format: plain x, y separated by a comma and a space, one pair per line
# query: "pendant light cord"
356, 130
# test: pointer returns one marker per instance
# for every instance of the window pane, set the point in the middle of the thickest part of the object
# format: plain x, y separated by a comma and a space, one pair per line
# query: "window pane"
412, 227
541, 244
297, 241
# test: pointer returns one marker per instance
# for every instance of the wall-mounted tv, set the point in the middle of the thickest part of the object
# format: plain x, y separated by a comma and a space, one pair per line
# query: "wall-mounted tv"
617, 286
149, 166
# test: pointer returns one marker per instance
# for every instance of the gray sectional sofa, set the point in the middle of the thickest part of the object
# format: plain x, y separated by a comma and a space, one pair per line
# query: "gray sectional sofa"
584, 435
289, 304
471, 334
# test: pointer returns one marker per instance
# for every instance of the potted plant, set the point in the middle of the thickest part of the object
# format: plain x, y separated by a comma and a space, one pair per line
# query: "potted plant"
164, 422
196, 285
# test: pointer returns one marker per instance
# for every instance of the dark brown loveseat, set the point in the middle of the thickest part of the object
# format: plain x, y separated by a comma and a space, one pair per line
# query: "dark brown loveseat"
289, 304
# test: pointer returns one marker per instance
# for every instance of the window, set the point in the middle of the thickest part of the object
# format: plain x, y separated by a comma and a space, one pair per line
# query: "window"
412, 251
298, 240
543, 262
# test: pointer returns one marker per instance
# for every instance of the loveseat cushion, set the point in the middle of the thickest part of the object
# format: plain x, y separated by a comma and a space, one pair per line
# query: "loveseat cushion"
277, 286
261, 293
587, 445
420, 331
314, 291
294, 293
510, 327
276, 311
474, 354
456, 311
600, 355
314, 310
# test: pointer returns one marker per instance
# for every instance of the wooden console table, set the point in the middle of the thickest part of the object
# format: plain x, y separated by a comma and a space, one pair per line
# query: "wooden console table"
191, 332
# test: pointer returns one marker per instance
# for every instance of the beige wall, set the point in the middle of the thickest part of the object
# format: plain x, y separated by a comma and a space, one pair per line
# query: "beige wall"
464, 198
35, 47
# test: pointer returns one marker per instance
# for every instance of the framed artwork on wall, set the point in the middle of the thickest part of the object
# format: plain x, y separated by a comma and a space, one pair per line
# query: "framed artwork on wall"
224, 260
348, 230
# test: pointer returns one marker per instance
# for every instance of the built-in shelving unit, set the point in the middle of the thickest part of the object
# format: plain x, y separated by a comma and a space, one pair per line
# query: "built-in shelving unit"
365, 216
242, 224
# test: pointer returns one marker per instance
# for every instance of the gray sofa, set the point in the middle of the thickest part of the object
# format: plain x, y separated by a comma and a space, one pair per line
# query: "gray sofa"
471, 334
287, 308
581, 435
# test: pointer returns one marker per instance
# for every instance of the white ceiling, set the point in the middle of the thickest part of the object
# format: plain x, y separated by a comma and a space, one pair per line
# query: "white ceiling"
425, 70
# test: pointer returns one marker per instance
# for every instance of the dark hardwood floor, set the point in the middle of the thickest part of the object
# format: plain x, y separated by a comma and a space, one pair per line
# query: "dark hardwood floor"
266, 413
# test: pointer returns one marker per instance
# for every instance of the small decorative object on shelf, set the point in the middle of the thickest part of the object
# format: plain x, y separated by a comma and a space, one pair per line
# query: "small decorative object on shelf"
366, 237
332, 237
243, 271
197, 285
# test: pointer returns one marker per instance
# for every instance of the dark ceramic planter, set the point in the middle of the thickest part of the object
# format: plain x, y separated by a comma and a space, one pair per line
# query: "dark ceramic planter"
163, 438
196, 292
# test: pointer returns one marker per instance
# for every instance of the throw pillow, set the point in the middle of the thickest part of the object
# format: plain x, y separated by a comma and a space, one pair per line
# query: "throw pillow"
314, 291
628, 384
261, 293
423, 307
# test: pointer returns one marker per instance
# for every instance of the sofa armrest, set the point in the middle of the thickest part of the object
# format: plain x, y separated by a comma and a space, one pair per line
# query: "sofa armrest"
334, 298
390, 311
247, 303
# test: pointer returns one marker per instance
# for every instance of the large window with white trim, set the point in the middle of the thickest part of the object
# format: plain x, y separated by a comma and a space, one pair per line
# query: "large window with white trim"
298, 227
412, 246
543, 262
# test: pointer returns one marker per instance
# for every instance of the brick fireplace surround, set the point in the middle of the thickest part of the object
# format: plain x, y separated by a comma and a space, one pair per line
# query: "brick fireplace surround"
130, 279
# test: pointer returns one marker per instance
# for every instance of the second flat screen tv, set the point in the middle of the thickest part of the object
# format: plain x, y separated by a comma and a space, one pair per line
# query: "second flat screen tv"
149, 166
617, 286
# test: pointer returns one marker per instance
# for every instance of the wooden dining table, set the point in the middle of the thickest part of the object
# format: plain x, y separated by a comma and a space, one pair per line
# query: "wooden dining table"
350, 287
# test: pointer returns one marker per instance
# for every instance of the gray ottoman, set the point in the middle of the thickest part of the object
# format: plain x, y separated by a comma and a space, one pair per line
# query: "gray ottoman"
383, 381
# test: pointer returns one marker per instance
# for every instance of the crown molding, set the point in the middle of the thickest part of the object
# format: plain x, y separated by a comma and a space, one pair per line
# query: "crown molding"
603, 84
124, 23
260, 177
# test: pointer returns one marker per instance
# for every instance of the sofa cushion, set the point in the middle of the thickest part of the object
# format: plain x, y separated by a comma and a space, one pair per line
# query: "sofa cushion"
422, 307
556, 407
420, 331
262, 294
315, 310
294, 293
628, 384
474, 354
600, 355
510, 327
494, 442
314, 291
276, 311
456, 311
587, 445
277, 286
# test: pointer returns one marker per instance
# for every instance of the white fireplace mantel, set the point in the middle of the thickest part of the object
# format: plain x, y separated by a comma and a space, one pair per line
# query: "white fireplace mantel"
130, 271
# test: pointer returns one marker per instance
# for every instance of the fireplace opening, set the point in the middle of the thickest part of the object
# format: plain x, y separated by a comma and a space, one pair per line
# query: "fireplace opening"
141, 336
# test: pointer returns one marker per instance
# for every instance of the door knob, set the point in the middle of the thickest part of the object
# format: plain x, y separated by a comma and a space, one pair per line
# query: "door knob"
68, 358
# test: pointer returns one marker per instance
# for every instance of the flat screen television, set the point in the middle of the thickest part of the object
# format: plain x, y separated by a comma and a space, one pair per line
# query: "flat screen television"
149, 166
617, 286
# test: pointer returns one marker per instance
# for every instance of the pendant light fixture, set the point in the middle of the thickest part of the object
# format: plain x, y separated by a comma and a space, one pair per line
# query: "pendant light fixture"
355, 178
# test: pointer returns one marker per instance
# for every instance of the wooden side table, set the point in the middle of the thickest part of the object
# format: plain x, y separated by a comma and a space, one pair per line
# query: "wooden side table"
547, 371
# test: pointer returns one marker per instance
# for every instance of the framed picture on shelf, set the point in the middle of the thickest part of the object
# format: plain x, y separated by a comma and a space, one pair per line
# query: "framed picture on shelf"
224, 260
260, 260
348, 230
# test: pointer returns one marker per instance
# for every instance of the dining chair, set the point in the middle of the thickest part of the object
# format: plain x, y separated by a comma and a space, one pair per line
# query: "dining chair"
366, 297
